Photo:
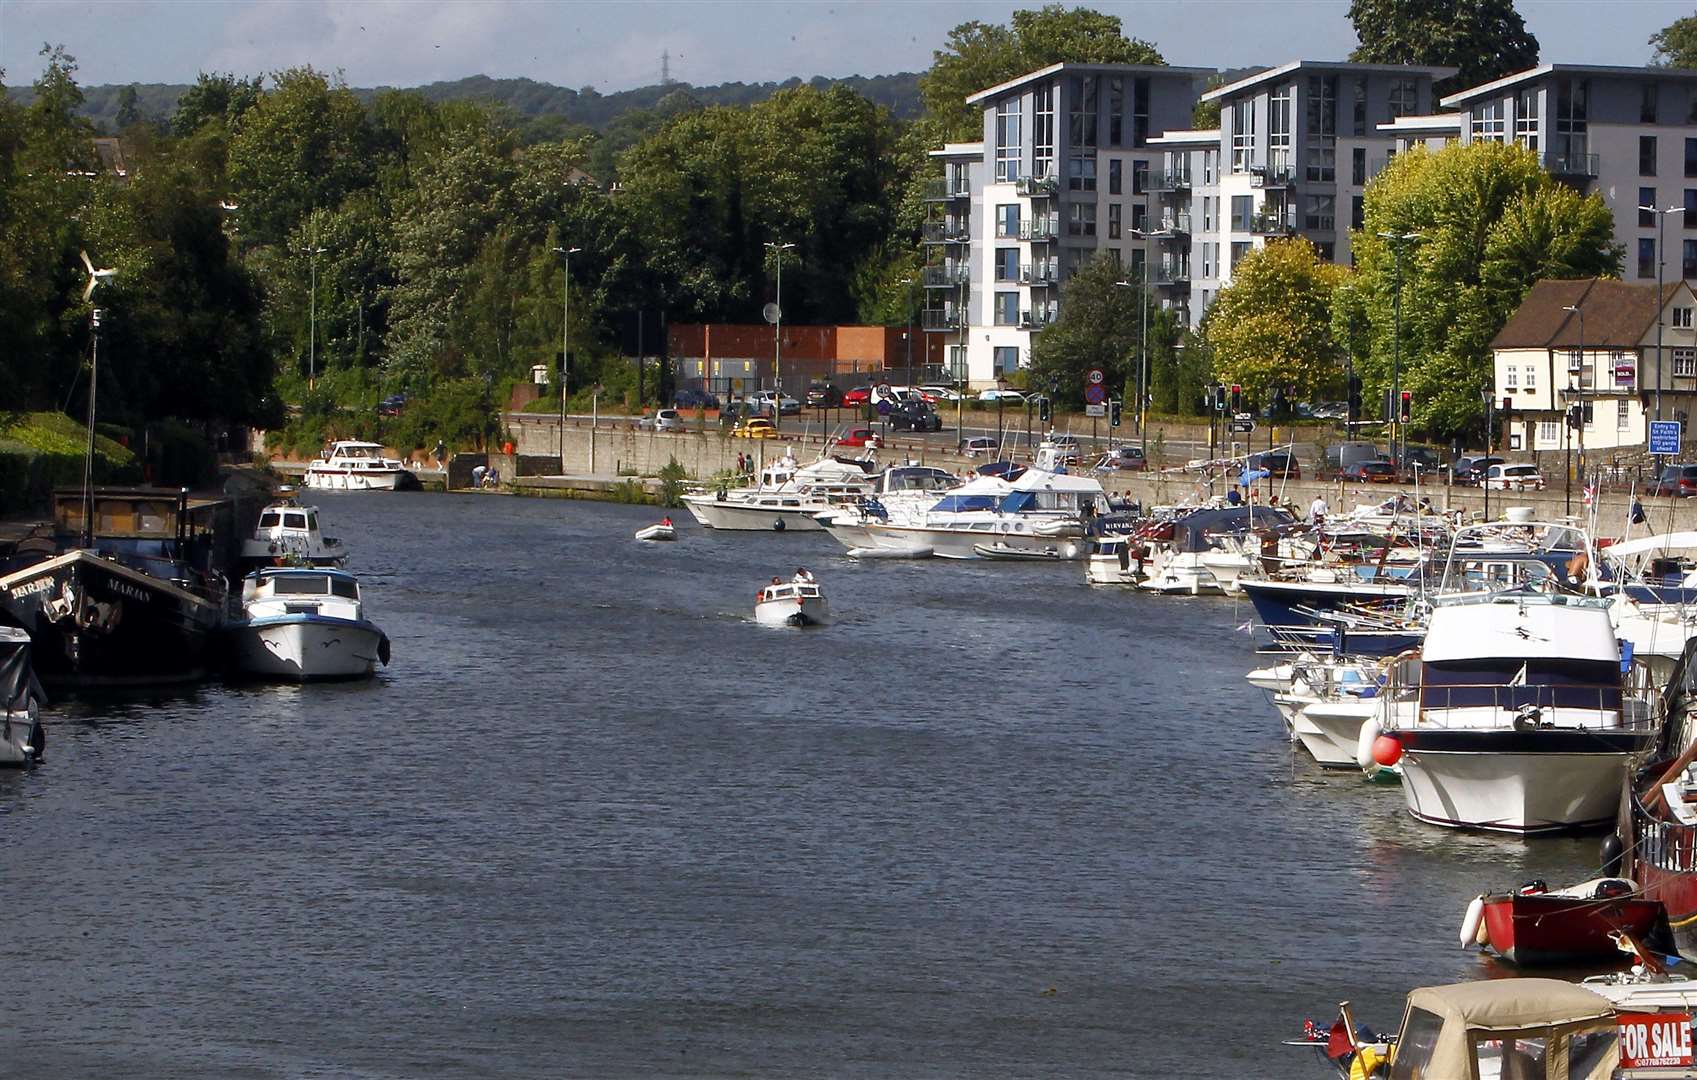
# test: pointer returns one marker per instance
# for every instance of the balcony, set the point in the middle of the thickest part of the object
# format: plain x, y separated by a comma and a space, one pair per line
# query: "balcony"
1171, 274
1037, 318
1273, 223
1169, 181
1172, 227
945, 190
1040, 230
1038, 273
1281, 177
1037, 187
947, 276
1571, 165
948, 231
939, 319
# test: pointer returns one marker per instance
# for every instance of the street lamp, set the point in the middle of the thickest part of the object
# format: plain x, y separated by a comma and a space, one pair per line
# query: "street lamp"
907, 302
1142, 287
778, 337
1490, 400
1580, 312
1661, 216
312, 319
1397, 240
565, 350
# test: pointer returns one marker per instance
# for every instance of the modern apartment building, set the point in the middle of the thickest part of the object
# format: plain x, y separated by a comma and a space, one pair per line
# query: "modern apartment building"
1628, 133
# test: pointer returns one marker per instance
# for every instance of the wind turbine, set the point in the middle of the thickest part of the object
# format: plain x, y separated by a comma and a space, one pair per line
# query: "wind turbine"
95, 277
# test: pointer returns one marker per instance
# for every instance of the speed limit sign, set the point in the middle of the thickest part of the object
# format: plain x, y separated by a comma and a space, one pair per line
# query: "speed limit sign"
1095, 376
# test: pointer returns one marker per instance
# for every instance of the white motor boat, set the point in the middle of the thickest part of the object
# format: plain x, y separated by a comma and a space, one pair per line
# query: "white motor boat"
304, 624
1517, 714
355, 466
1040, 515
22, 740
661, 531
792, 603
288, 535
785, 499
1203, 557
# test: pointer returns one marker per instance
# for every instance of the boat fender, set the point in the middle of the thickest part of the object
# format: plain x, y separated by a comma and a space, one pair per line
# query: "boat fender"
778, 526
1535, 887
1364, 746
1610, 854
1613, 888
1125, 556
383, 649
38, 740
1473, 922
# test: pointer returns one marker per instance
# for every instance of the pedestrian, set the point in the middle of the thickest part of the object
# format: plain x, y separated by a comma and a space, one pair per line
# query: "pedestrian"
1317, 510
441, 453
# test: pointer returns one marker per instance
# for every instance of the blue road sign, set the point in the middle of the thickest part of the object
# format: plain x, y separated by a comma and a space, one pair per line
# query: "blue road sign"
1095, 393
884, 406
1664, 436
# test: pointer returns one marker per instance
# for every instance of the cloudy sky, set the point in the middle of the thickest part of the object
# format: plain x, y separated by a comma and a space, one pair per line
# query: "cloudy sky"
615, 45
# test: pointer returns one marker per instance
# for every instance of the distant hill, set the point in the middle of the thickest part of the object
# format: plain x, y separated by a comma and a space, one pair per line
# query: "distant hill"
531, 99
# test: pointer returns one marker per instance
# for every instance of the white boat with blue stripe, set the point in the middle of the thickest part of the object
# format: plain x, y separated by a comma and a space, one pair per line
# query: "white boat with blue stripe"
306, 623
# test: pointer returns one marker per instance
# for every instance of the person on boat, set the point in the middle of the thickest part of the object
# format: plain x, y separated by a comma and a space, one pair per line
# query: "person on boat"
1317, 510
1234, 497
802, 576
666, 521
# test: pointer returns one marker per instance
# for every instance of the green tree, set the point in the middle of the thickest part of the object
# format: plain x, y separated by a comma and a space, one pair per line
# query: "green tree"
1273, 324
1488, 223
129, 108
214, 97
1485, 39
1098, 328
980, 55
1676, 44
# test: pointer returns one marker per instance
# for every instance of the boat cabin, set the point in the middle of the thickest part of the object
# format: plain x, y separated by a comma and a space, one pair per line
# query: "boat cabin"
152, 529
796, 591
1507, 1029
300, 588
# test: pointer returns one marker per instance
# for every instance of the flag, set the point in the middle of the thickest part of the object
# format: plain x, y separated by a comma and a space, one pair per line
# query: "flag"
1590, 495
1338, 1043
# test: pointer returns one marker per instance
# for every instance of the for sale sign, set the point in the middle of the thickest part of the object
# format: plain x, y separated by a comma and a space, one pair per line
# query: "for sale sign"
1652, 1040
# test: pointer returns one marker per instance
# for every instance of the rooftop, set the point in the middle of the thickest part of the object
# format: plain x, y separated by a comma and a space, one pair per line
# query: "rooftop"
1232, 89
1485, 89
1617, 314
1186, 137
1082, 69
1444, 123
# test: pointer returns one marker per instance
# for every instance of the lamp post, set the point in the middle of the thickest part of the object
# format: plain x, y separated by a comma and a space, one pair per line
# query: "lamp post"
1580, 313
312, 254
1490, 422
907, 302
1142, 287
778, 337
1661, 216
565, 348
1397, 239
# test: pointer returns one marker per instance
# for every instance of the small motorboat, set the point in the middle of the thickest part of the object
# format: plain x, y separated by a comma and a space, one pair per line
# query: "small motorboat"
288, 535
660, 532
1537, 926
1008, 552
915, 552
791, 603
22, 741
356, 466
306, 624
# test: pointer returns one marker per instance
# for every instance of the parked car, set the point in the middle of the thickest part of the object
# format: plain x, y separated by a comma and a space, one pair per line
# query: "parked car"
860, 436
1514, 478
392, 405
755, 427
823, 396
668, 420
940, 393
1676, 480
979, 444
763, 399
1008, 397
1471, 470
1332, 410
1126, 459
857, 397
1341, 456
915, 416
695, 399
1278, 463
1425, 457
1377, 471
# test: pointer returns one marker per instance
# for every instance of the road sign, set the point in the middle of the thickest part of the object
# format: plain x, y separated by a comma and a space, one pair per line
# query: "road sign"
1241, 423
1095, 377
884, 391
1664, 436
1095, 393
1095, 408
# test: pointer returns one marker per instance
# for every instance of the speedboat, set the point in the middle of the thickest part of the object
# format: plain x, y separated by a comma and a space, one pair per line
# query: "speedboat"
792, 603
663, 530
355, 466
306, 624
785, 499
288, 535
22, 740
1040, 515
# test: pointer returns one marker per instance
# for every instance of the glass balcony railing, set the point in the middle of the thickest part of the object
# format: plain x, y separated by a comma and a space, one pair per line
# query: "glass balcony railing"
1273, 223
944, 190
1571, 164
1040, 229
947, 231
946, 276
939, 319
1037, 273
1169, 181
1037, 187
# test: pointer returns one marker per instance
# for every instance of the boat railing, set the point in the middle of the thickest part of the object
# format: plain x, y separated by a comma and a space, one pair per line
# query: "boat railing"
1632, 709
1666, 845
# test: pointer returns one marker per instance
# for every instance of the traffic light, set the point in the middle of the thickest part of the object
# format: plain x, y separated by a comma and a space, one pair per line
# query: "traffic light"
1281, 405
1043, 409
1237, 397
1406, 409
1219, 397
1574, 417
1354, 398
1114, 413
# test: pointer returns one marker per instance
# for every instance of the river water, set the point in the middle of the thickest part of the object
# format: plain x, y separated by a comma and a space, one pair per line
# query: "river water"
593, 822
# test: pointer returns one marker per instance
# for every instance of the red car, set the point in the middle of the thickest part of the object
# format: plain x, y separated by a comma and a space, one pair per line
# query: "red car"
860, 436
857, 397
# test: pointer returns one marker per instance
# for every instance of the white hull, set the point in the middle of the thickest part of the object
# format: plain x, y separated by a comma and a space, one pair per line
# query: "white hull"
1182, 573
316, 649
20, 738
326, 479
733, 516
1225, 567
1513, 792
1275, 679
1106, 570
963, 543
1329, 730
811, 611
657, 533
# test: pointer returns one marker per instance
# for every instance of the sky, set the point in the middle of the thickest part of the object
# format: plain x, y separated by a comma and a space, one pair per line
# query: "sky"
614, 45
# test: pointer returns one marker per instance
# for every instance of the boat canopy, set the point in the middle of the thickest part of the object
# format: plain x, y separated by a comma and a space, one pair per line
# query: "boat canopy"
1520, 626
979, 493
1038, 480
1448, 1030
1191, 532
1662, 545
915, 478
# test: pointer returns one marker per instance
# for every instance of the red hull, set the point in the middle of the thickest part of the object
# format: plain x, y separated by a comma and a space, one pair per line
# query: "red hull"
1677, 892
1542, 929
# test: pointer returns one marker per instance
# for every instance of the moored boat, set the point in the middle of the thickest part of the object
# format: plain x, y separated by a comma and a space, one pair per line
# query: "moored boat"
22, 739
306, 623
288, 535
1534, 926
351, 465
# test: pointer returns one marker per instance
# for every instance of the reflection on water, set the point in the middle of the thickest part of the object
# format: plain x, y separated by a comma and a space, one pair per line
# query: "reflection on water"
595, 821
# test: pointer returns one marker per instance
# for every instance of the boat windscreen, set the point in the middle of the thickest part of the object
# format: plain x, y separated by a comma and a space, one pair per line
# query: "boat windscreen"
301, 584
1510, 683
954, 504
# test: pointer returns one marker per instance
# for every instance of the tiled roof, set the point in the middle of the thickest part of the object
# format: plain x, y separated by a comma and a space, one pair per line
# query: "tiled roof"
1617, 314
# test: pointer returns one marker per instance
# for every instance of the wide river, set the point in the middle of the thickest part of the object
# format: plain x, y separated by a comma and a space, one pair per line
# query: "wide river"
593, 822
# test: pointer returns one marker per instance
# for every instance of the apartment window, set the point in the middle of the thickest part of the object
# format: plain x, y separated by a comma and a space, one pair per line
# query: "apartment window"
1690, 214
1007, 221
1682, 318
1007, 264
1113, 221
1647, 105
1081, 219
1139, 177
1279, 129
1243, 136
1007, 309
1404, 98
1139, 218
1357, 206
1116, 112
1646, 218
1531, 382
1623, 414
1208, 250
1114, 180
1647, 257
1326, 252
1321, 213
1243, 212
1359, 124
1209, 202
1689, 264
1082, 114
1488, 121
1691, 155
1526, 119
1684, 363
1043, 132
1007, 140
1081, 173
1511, 382
1570, 144
1646, 155
1140, 111
1210, 165
1239, 250
1358, 166
1322, 135
1006, 360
